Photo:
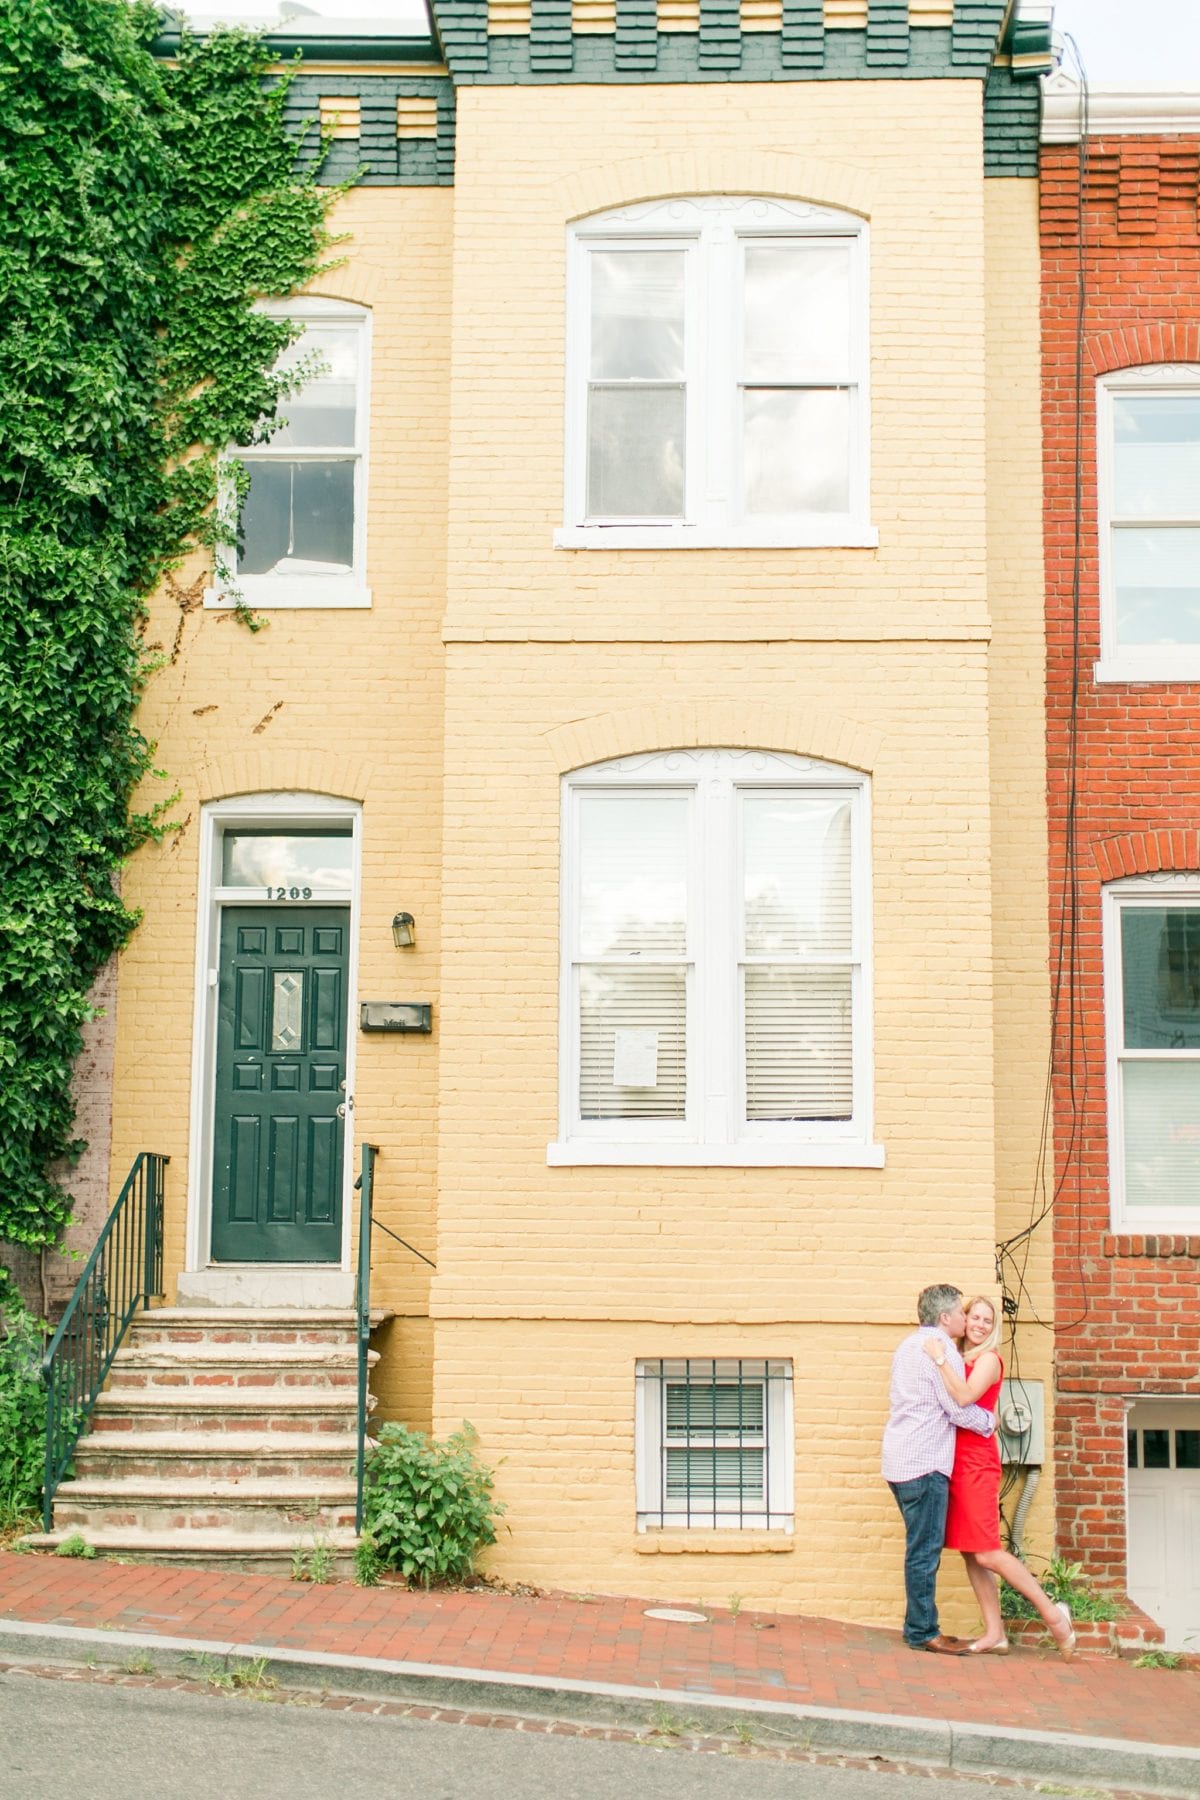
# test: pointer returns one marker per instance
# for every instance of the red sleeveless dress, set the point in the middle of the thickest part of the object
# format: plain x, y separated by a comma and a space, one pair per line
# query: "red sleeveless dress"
973, 1511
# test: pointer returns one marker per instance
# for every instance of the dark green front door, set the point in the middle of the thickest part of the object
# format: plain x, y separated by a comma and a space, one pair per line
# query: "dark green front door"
281, 1070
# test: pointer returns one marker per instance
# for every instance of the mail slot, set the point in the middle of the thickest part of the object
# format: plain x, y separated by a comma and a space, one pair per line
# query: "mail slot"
396, 1015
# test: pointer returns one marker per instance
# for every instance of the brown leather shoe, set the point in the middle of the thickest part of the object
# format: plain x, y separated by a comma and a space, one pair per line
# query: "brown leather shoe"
943, 1646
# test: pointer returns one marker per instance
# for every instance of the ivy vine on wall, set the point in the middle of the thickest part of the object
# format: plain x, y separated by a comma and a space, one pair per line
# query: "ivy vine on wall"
147, 207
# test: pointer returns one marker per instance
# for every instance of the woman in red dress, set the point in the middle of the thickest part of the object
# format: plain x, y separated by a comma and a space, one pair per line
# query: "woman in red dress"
973, 1512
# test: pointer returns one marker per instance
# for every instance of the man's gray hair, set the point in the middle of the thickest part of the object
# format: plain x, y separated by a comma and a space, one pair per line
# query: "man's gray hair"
932, 1302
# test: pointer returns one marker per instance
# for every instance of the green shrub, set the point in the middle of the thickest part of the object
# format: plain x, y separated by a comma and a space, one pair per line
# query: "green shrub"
1062, 1581
429, 1508
22, 1414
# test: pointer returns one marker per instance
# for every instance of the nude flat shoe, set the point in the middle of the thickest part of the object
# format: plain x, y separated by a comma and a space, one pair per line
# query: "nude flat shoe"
979, 1648
1067, 1648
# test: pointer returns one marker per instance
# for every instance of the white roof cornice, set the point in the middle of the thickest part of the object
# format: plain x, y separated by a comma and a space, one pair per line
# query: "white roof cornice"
1150, 112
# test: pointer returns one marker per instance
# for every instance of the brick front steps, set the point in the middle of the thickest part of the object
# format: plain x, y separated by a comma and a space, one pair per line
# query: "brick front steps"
1130, 1635
221, 1435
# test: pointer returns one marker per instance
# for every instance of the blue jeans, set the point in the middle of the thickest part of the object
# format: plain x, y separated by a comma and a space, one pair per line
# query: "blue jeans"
922, 1506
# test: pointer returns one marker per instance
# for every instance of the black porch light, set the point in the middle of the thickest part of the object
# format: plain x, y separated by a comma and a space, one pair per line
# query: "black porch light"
404, 930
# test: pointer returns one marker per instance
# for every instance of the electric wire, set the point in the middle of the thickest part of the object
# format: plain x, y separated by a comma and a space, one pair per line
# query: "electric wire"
1067, 1062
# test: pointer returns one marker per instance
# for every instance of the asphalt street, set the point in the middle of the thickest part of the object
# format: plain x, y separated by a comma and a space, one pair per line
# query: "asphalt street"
85, 1741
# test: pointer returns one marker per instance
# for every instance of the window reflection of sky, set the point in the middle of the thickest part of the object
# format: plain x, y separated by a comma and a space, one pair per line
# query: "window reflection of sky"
797, 874
633, 874
268, 860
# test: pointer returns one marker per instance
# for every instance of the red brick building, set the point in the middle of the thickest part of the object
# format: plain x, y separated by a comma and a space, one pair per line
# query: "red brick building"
1121, 347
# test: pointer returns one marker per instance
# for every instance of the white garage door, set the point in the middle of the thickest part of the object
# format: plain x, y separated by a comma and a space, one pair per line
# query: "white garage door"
1164, 1517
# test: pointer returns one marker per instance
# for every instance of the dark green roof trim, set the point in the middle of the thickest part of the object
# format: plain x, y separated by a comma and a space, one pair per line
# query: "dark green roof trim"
887, 32
462, 27
631, 55
976, 31
329, 47
636, 42
550, 36
1012, 119
720, 35
376, 156
802, 40
721, 50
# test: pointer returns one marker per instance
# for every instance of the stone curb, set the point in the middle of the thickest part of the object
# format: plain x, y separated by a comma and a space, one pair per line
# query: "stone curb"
969, 1748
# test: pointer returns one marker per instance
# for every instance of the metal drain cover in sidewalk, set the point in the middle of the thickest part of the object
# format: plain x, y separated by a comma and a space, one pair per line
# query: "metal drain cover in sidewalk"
675, 1615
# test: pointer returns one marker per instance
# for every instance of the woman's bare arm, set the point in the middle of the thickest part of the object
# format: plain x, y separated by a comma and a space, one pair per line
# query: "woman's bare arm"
980, 1374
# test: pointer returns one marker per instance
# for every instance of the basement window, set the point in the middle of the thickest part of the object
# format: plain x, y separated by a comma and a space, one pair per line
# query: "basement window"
714, 1442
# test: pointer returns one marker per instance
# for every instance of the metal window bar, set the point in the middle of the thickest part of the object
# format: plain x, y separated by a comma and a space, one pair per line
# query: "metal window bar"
715, 1422
123, 1272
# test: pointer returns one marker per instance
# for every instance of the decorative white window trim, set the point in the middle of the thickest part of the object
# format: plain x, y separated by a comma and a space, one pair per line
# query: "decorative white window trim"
656, 1438
713, 229
1135, 662
715, 1130
1165, 890
297, 592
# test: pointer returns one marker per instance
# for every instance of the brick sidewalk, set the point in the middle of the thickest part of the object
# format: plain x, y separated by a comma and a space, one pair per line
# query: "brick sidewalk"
753, 1656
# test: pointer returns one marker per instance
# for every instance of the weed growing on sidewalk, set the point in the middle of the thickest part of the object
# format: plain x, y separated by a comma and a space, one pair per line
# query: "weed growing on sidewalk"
234, 1677
315, 1561
368, 1564
76, 1545
665, 1723
1159, 1659
140, 1663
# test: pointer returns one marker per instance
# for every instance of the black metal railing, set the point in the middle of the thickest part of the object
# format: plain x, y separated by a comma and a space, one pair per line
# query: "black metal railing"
362, 1302
367, 1225
122, 1273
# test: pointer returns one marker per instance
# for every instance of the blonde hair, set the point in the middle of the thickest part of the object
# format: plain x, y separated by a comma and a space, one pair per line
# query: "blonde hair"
993, 1337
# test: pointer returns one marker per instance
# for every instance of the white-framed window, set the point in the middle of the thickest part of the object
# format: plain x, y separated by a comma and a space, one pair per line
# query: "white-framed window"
715, 985
301, 538
1148, 466
1152, 990
717, 376
714, 1444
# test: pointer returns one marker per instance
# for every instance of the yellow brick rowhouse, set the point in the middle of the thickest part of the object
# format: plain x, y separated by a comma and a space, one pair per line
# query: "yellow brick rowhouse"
654, 597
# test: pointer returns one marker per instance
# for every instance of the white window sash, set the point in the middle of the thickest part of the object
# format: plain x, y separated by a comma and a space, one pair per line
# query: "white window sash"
777, 1439
823, 1131
580, 376
713, 510
289, 589
648, 1131
1134, 662
1144, 893
715, 1128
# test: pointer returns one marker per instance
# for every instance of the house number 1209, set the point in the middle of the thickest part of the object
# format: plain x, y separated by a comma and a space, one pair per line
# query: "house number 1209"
286, 893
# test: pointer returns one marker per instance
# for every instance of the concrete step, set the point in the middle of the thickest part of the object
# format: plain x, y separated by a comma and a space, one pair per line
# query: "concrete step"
227, 1455
244, 1325
206, 1365
222, 1435
256, 1552
253, 1506
217, 1409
